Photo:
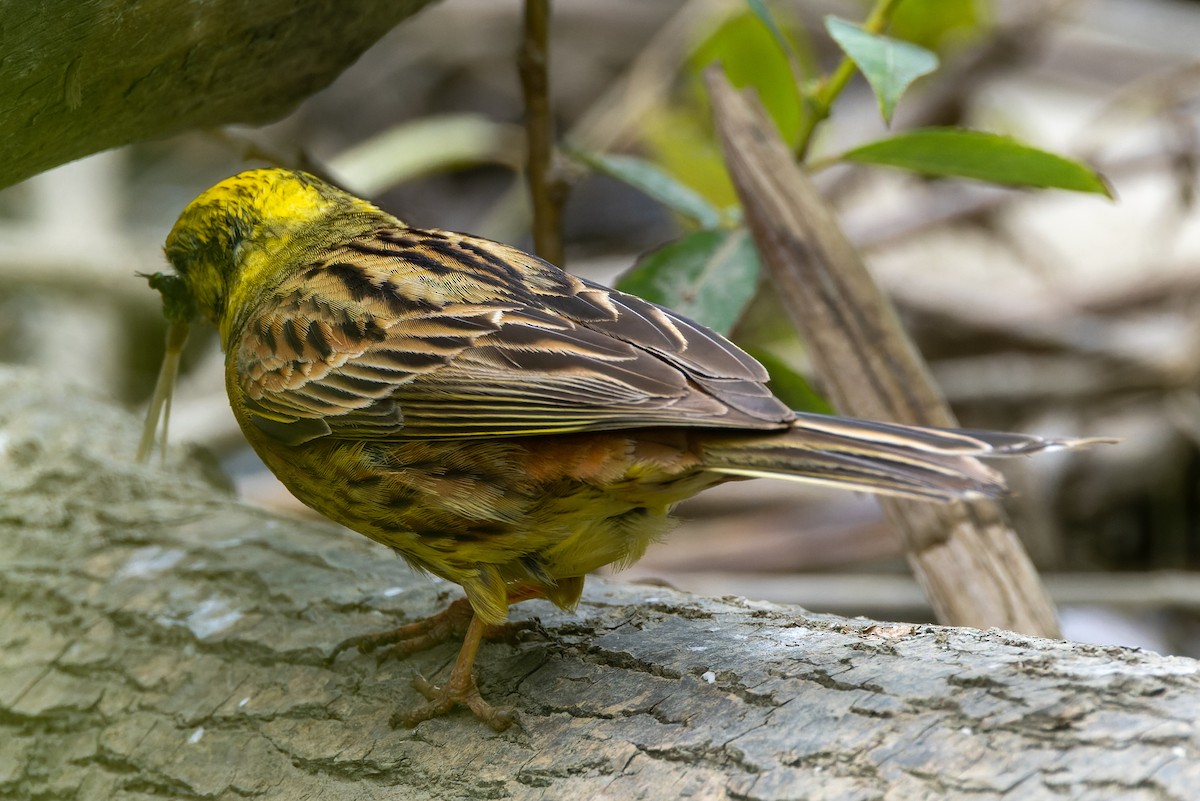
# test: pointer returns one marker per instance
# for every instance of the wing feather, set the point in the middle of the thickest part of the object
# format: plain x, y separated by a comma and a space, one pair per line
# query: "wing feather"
404, 334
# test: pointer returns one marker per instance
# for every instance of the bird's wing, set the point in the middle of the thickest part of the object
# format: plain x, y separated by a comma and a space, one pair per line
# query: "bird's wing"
408, 334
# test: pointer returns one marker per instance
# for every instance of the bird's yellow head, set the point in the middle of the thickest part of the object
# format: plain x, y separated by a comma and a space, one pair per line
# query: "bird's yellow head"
234, 245
240, 238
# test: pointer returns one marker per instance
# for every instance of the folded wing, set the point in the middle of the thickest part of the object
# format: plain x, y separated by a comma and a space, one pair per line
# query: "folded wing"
406, 334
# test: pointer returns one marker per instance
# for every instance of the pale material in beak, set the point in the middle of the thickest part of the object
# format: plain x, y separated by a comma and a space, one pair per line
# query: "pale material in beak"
160, 402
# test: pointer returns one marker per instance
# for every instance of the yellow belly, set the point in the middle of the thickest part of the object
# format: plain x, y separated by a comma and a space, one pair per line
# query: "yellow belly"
531, 511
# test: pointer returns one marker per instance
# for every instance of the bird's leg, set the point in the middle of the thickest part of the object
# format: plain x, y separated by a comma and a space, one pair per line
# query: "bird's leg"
449, 624
456, 620
460, 688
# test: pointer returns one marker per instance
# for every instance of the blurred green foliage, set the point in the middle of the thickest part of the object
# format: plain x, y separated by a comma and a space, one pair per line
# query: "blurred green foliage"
942, 26
706, 275
753, 57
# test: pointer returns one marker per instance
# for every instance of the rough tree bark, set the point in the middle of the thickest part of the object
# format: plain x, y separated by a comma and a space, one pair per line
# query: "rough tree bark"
159, 640
80, 76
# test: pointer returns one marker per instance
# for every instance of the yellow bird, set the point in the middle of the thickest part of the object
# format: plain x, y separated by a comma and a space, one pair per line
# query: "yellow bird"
496, 421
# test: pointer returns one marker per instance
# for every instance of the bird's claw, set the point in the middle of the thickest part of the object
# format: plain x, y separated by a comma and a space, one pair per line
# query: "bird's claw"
442, 699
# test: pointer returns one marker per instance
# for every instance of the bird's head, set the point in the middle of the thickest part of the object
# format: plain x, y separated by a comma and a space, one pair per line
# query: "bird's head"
233, 245
241, 238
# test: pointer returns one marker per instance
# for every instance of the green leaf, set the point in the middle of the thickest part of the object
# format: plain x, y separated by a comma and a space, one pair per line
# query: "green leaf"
680, 139
656, 183
420, 147
760, 10
889, 65
982, 156
709, 276
749, 55
789, 385
938, 25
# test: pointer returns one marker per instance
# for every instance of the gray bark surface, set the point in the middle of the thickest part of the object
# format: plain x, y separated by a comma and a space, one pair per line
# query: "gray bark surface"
80, 76
160, 640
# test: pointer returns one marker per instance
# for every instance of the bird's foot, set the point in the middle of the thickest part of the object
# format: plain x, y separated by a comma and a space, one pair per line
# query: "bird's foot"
457, 620
454, 692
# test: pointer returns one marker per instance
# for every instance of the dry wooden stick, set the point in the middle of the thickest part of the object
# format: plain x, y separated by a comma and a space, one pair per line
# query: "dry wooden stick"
547, 191
965, 555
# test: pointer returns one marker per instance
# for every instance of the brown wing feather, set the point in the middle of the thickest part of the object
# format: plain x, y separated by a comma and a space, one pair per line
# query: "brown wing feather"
407, 334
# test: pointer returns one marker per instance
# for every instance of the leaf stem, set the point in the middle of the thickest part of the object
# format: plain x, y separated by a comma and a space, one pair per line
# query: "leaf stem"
819, 101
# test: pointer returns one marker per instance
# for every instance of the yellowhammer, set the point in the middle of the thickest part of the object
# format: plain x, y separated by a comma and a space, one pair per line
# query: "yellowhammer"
498, 422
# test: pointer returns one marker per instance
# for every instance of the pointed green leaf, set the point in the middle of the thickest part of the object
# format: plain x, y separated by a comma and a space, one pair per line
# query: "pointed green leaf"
889, 65
708, 276
747, 52
982, 156
658, 184
759, 7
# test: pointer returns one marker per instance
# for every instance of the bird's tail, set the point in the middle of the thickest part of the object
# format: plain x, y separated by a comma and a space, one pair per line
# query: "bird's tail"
908, 461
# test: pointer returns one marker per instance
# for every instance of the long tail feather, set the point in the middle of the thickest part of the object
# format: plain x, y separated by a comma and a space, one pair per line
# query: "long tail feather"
890, 459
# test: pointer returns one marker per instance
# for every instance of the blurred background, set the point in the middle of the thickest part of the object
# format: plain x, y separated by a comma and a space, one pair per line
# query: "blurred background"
1047, 312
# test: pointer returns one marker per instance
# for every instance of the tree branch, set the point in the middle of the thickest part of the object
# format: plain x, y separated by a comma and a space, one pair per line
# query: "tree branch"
83, 77
160, 639
547, 191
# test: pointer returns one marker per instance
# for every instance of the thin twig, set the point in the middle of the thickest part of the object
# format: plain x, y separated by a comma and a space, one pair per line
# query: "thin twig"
612, 121
547, 191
